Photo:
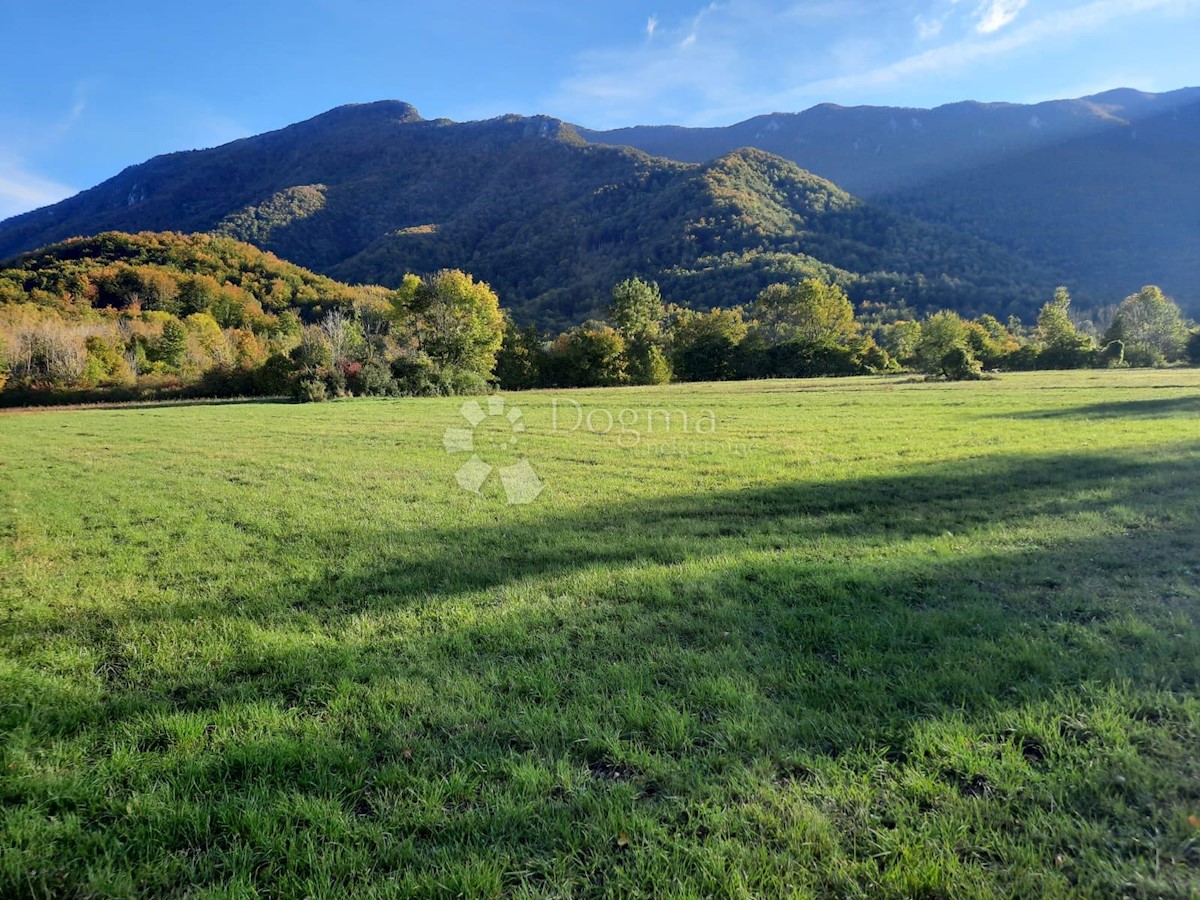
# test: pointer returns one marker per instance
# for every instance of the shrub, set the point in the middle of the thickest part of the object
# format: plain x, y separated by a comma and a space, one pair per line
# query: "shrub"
465, 382
707, 358
1113, 355
311, 390
225, 381
274, 377
314, 350
1080, 353
416, 376
1023, 359
335, 380
1193, 348
875, 360
1144, 356
799, 359
106, 364
960, 365
371, 379
592, 355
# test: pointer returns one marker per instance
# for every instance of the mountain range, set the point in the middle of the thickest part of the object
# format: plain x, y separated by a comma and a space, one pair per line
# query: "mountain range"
971, 206
1103, 190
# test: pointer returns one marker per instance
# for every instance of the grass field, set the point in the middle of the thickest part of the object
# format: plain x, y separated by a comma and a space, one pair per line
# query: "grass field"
856, 637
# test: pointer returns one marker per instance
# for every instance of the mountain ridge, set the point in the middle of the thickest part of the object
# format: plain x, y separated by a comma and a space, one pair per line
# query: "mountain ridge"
817, 139
1102, 184
368, 192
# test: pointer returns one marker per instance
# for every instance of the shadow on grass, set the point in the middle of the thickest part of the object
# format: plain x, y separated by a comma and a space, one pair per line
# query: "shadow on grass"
657, 648
1121, 409
841, 556
38, 402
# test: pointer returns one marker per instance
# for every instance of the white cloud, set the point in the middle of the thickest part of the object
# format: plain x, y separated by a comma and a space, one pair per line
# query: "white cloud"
651, 26
739, 58
931, 23
960, 54
22, 189
928, 29
696, 61
994, 15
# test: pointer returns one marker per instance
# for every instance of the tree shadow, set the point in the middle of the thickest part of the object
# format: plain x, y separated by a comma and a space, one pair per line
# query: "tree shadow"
32, 401
485, 690
770, 530
1157, 408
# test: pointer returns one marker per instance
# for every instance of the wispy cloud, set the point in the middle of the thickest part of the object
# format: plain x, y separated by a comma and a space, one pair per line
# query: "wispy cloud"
930, 23
651, 26
22, 189
927, 29
996, 14
698, 60
966, 52
737, 58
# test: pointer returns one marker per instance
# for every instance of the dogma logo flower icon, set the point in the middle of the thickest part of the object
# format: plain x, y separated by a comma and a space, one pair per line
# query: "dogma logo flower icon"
491, 437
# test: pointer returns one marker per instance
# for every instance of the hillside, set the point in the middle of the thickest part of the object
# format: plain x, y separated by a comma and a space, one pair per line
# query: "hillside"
871, 150
366, 193
168, 272
1098, 189
1111, 211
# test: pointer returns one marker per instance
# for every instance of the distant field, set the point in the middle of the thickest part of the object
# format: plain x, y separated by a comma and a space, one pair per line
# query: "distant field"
857, 637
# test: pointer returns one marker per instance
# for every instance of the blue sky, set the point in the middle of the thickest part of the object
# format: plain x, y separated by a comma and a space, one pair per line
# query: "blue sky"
87, 89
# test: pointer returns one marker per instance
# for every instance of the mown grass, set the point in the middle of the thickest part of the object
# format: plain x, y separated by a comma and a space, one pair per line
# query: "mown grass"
869, 638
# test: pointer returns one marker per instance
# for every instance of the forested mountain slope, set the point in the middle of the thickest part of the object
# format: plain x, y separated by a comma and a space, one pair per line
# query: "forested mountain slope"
1101, 190
369, 192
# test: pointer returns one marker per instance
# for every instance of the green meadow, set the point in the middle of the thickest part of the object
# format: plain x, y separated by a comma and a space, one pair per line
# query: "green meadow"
859, 637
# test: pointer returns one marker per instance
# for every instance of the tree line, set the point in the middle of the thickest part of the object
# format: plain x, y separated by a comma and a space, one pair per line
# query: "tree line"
158, 316
810, 328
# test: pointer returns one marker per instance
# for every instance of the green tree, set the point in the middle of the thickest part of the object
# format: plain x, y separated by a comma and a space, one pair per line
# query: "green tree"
811, 311
197, 293
159, 290
452, 318
592, 355
900, 339
105, 363
990, 341
519, 360
314, 350
1060, 344
960, 365
704, 344
172, 344
944, 348
1151, 328
637, 313
1193, 347
637, 310
1054, 325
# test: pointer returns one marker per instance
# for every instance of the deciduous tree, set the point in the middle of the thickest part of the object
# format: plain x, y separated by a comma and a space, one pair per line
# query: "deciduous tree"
452, 318
811, 311
1150, 326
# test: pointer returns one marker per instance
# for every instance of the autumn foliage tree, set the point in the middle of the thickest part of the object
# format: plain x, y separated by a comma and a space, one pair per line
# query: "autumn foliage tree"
453, 319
